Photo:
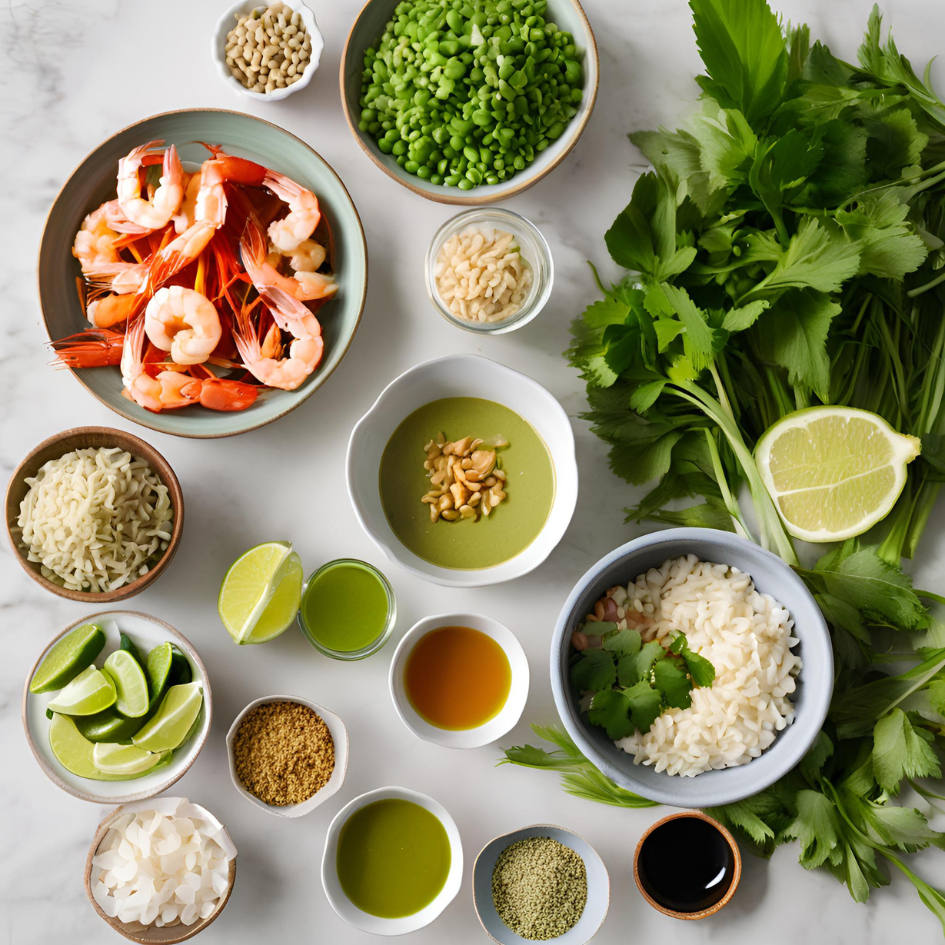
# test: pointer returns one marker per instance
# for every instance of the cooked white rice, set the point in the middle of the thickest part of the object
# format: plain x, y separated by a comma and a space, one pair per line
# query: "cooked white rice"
95, 519
746, 636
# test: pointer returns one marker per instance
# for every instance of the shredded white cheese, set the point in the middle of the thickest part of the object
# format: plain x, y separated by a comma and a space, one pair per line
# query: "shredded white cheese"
95, 519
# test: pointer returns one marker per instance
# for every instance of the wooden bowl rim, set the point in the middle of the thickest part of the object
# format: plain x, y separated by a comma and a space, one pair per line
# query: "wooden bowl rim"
144, 421
140, 795
729, 839
447, 196
122, 927
133, 444
539, 826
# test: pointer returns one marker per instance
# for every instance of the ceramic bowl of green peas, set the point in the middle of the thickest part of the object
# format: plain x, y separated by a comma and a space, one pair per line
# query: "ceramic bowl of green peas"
469, 102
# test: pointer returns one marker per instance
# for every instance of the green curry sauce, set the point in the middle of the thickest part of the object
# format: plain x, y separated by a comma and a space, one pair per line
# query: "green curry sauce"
393, 858
467, 544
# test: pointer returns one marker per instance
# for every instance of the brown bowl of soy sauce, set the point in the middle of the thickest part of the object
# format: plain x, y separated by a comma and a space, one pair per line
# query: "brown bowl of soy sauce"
687, 865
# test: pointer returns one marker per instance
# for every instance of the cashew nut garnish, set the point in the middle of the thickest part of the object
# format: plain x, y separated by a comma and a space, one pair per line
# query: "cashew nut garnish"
464, 479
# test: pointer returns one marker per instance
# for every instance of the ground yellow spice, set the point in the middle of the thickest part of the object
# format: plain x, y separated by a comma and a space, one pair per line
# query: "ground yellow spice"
284, 753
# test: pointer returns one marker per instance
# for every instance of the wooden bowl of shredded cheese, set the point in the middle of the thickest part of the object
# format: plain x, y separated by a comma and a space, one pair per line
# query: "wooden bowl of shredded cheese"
489, 271
94, 514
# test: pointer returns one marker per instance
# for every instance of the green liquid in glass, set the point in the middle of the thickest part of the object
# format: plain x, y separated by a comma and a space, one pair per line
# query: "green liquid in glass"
345, 607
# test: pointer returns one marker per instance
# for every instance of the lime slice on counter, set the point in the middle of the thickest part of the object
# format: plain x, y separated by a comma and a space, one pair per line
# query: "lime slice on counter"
260, 595
125, 760
90, 692
73, 653
168, 728
130, 684
158, 668
833, 472
108, 726
74, 752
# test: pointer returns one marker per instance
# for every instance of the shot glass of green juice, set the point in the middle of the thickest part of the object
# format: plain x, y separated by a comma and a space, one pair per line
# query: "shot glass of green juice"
348, 609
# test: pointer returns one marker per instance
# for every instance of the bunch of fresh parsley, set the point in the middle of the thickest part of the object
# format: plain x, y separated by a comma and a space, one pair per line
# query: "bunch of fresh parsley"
634, 682
788, 250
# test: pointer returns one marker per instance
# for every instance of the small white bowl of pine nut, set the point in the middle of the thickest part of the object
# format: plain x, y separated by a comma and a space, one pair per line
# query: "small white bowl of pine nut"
267, 51
489, 271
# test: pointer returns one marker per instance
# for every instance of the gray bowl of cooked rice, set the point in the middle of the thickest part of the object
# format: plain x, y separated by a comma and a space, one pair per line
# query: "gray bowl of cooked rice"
94, 514
727, 600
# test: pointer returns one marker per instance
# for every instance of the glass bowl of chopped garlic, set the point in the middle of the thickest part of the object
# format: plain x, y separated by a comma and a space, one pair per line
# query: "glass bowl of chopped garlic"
489, 271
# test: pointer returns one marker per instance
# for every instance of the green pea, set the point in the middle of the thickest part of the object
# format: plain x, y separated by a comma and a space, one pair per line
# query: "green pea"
399, 148
423, 172
385, 145
454, 69
465, 184
452, 180
555, 130
455, 21
402, 159
442, 166
573, 72
506, 69
519, 163
474, 175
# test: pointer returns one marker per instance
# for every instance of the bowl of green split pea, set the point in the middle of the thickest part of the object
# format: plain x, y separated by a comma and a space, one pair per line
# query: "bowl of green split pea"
469, 101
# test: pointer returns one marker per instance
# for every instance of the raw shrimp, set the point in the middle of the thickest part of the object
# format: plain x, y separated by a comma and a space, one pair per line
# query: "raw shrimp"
305, 351
156, 387
211, 200
166, 200
113, 309
286, 234
184, 322
267, 279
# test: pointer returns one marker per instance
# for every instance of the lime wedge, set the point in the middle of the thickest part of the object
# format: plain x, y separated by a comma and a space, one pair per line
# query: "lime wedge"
169, 727
260, 594
130, 684
158, 668
90, 692
833, 472
128, 645
108, 726
74, 752
126, 760
181, 670
73, 653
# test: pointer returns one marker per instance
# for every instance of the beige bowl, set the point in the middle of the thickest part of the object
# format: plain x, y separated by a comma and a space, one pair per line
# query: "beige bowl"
339, 735
85, 438
148, 934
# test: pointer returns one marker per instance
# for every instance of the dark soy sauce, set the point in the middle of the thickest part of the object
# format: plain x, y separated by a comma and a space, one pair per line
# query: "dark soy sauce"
686, 865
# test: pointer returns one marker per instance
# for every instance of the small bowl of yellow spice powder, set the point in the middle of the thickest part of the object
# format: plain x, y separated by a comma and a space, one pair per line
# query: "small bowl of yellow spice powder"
287, 755
540, 883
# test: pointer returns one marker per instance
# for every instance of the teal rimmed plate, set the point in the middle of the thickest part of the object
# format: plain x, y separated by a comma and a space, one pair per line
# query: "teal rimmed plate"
93, 182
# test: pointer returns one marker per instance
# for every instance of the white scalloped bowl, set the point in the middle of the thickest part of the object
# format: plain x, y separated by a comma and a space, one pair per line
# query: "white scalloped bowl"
461, 375
227, 23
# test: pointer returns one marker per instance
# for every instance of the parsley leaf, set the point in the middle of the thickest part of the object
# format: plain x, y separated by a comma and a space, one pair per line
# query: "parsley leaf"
594, 671
611, 710
901, 751
671, 680
646, 704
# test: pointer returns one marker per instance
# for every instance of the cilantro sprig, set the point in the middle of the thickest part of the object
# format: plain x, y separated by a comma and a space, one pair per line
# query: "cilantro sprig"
634, 682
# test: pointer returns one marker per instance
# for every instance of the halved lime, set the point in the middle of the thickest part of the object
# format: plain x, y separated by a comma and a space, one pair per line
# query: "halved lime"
127, 760
74, 752
73, 653
169, 727
108, 726
260, 595
158, 668
130, 684
90, 692
833, 472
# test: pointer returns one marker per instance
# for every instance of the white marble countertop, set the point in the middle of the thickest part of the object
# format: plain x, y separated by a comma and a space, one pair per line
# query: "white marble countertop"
75, 71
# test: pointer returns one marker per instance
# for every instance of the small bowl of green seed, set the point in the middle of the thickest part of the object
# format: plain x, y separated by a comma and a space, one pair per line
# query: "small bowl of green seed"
540, 883
469, 104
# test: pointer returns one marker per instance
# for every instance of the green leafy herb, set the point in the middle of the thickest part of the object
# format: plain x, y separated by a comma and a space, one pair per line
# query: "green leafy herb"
634, 682
788, 250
